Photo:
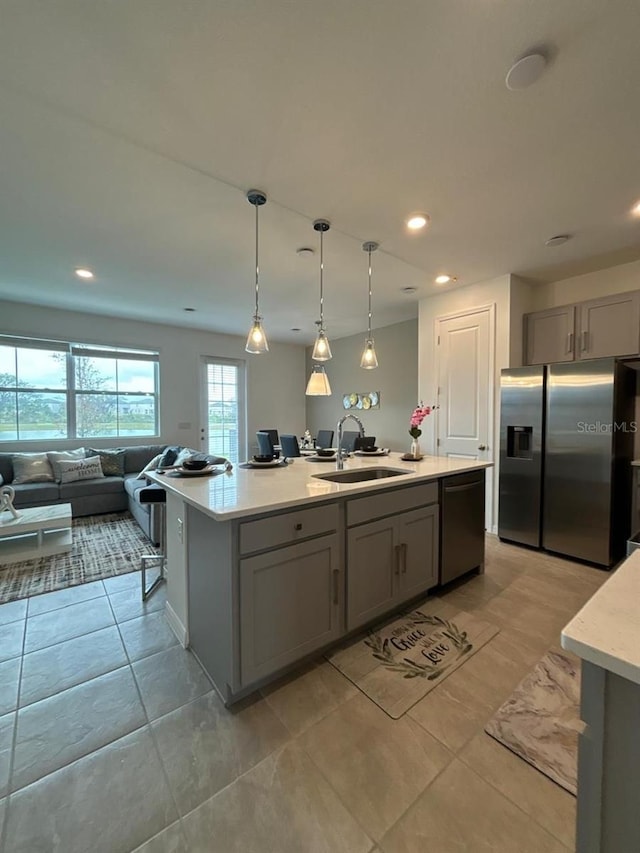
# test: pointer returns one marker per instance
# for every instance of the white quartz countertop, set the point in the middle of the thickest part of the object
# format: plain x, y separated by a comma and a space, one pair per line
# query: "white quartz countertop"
606, 632
246, 492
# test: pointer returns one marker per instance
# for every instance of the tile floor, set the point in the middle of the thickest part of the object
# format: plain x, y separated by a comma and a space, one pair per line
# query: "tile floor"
111, 739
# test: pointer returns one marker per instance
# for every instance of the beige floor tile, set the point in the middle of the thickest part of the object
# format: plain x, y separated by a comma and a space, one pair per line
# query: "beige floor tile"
377, 765
205, 746
496, 674
284, 804
303, 698
461, 813
454, 711
547, 803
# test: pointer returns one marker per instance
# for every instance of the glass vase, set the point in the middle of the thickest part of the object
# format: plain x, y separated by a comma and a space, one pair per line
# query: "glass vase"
415, 448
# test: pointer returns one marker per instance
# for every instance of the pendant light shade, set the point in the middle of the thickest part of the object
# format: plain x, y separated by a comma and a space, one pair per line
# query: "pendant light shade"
321, 349
318, 384
257, 338
369, 358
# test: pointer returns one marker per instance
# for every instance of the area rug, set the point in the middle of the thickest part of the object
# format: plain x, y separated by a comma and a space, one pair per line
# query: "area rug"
103, 546
540, 721
400, 661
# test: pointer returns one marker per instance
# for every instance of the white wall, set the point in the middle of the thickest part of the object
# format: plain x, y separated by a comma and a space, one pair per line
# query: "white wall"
396, 378
618, 279
275, 382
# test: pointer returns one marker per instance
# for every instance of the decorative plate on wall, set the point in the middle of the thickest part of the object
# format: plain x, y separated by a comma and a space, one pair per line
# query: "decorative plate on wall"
368, 400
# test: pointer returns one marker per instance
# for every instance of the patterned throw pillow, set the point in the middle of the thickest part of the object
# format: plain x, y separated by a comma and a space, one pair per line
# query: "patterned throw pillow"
150, 466
56, 457
112, 461
31, 468
80, 469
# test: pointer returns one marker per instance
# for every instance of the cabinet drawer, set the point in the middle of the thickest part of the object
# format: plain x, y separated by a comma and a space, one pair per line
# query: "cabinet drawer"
282, 529
361, 510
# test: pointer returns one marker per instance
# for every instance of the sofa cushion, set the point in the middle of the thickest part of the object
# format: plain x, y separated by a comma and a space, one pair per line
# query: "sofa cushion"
112, 461
137, 457
63, 456
102, 486
133, 484
80, 469
31, 468
29, 494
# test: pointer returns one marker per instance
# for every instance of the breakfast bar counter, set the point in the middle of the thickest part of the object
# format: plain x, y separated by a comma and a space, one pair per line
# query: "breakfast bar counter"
266, 567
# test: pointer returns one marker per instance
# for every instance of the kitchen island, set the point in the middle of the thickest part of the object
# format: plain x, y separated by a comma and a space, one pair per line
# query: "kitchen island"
266, 567
606, 635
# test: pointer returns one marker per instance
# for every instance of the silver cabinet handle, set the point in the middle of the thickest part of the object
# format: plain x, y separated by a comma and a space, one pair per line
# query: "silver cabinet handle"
404, 558
397, 549
585, 338
336, 585
570, 343
482, 447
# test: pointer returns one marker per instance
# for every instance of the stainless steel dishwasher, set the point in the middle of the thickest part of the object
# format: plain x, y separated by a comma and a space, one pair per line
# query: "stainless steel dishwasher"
462, 499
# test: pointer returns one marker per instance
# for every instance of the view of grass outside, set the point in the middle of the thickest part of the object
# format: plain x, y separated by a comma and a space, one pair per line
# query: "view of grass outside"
53, 394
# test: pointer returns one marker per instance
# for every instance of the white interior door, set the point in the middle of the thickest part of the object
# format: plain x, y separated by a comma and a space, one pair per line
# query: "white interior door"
465, 388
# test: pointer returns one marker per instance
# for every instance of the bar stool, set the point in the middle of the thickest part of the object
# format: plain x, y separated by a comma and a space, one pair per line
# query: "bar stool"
154, 494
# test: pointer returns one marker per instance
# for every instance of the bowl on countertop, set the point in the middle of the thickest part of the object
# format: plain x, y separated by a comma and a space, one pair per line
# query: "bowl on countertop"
263, 457
195, 464
325, 451
370, 449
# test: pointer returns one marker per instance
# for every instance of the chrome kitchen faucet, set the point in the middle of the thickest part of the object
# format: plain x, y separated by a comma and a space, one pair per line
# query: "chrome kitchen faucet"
339, 457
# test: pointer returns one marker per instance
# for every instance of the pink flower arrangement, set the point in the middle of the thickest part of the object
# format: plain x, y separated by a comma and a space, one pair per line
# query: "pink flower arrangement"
419, 414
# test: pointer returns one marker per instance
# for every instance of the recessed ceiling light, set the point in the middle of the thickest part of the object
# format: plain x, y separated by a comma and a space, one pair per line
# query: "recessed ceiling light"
417, 221
445, 279
558, 240
188, 309
295, 329
83, 273
305, 251
526, 71
635, 210
409, 290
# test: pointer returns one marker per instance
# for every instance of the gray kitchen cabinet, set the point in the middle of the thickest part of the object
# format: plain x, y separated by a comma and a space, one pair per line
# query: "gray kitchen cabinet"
390, 561
549, 335
290, 602
608, 326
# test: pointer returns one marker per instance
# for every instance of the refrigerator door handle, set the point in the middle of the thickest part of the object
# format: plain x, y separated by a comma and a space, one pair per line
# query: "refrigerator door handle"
570, 343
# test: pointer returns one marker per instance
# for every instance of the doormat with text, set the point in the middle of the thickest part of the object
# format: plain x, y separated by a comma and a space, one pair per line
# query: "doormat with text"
397, 663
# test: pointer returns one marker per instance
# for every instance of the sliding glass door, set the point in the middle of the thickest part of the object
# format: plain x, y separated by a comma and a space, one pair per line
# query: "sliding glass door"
224, 430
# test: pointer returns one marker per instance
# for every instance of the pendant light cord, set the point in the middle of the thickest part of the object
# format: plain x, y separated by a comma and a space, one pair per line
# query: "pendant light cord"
369, 335
257, 314
321, 281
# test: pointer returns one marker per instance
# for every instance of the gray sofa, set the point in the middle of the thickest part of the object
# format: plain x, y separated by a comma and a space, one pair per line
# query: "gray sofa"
91, 497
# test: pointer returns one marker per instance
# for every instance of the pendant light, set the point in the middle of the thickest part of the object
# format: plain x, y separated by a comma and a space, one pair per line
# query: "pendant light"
321, 349
318, 384
257, 339
369, 359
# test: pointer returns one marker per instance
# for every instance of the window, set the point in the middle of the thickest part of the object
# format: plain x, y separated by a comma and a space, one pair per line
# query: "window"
224, 408
51, 389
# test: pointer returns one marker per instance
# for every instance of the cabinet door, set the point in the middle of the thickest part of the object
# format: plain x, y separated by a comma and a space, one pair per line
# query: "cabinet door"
549, 335
609, 326
290, 602
418, 540
373, 567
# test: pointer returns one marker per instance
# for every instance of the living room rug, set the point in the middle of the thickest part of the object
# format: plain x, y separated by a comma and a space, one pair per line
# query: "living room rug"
103, 546
540, 721
398, 662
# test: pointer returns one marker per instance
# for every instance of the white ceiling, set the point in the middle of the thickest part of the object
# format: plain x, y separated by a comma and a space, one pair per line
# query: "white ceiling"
131, 129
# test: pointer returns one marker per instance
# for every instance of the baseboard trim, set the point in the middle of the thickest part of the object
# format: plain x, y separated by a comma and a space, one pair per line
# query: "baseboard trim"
176, 626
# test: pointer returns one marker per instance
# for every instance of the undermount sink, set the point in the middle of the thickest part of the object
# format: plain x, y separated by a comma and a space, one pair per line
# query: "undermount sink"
360, 475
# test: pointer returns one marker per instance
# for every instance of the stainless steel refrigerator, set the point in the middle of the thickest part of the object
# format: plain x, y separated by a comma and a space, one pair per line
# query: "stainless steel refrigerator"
566, 444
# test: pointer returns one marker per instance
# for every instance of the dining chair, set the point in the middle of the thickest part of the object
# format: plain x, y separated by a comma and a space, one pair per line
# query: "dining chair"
273, 435
265, 445
289, 446
364, 441
348, 441
324, 439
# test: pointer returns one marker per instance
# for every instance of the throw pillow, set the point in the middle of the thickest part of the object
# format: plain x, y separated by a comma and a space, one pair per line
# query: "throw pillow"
169, 456
63, 456
150, 466
112, 461
185, 453
31, 468
81, 469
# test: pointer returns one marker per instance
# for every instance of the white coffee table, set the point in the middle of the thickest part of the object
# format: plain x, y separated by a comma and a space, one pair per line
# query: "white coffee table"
38, 532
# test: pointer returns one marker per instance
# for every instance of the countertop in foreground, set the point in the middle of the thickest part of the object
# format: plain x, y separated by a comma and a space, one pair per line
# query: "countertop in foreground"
246, 492
606, 632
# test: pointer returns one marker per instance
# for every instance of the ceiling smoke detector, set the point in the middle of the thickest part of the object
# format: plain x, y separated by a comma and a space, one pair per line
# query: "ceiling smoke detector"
526, 71
305, 251
409, 290
558, 240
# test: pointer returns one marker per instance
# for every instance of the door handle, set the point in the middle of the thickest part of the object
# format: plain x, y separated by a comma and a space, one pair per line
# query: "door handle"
404, 557
397, 549
336, 585
570, 342
585, 338
482, 447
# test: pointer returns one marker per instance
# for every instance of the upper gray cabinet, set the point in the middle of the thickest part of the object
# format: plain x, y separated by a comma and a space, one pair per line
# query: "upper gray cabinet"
608, 326
549, 335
